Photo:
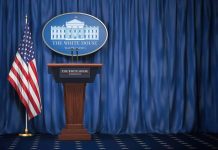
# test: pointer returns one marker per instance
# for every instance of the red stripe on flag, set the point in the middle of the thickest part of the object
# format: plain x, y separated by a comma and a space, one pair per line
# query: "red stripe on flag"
34, 69
26, 91
20, 96
20, 66
34, 86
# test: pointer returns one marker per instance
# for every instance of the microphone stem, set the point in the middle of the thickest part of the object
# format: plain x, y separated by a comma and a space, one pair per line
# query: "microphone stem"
77, 56
72, 55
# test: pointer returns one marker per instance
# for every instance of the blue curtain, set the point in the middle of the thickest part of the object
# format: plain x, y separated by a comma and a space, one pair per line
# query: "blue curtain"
160, 70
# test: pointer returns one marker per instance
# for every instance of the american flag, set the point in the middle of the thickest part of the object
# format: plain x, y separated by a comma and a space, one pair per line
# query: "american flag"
23, 75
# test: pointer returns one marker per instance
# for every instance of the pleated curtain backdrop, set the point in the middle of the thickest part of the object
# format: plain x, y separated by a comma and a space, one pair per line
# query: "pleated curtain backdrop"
160, 66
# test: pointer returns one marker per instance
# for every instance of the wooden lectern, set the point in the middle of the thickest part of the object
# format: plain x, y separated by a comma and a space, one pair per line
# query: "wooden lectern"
74, 78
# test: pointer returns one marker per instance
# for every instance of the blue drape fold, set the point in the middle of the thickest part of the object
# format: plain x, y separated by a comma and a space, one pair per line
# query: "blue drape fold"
159, 73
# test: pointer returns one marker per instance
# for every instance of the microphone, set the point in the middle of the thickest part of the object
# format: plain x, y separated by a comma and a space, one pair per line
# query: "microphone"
77, 53
72, 54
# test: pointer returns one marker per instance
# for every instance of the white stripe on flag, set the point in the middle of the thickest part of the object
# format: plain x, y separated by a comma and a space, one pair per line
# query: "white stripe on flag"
22, 91
28, 86
33, 76
24, 65
35, 99
17, 69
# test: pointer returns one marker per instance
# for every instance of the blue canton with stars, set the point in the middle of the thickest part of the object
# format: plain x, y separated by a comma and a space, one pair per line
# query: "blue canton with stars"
25, 48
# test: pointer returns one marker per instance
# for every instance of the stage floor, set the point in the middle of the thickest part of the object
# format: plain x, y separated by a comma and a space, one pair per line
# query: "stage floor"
112, 142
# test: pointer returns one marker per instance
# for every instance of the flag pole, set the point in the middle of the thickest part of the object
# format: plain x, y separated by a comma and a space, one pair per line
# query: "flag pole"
25, 134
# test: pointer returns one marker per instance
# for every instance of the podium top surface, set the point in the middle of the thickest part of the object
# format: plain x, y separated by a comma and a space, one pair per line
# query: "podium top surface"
74, 65
74, 72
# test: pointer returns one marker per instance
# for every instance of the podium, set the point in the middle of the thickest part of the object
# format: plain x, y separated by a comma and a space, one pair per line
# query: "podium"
74, 78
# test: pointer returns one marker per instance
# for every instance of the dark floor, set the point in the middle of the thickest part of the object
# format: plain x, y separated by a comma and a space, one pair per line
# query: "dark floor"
113, 142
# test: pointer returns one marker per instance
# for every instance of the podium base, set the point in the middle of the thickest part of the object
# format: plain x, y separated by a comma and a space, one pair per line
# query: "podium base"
74, 132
